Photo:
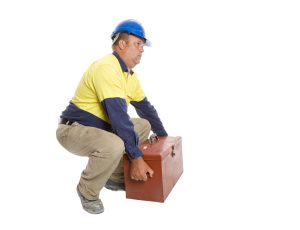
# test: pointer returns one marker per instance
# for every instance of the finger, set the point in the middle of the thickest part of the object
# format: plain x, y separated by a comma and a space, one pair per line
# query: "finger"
144, 177
137, 178
150, 172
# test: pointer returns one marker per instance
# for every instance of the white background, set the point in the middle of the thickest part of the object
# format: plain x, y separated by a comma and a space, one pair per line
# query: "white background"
224, 75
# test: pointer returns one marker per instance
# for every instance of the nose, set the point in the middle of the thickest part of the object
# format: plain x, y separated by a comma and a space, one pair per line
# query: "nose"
142, 49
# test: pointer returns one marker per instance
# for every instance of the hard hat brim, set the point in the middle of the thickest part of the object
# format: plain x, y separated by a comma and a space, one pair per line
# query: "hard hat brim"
148, 43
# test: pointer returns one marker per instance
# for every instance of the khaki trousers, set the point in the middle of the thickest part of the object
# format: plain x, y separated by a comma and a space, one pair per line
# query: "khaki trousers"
104, 149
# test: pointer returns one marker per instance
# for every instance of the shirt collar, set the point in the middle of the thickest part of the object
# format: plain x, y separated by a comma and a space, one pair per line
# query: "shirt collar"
122, 63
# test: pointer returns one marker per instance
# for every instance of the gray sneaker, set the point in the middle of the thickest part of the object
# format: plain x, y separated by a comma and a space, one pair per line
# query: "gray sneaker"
91, 206
114, 186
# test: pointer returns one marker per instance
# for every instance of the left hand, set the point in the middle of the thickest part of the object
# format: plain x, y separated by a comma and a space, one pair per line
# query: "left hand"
139, 169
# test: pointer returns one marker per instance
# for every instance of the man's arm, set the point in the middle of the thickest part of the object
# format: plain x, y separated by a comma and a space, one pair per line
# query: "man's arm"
116, 110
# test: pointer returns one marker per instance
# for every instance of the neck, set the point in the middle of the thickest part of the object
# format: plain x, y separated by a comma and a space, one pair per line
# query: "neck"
123, 61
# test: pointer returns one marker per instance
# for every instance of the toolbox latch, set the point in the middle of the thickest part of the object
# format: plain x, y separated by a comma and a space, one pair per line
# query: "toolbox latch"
173, 151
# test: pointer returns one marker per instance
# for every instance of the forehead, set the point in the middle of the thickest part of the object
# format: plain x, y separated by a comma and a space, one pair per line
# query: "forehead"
135, 39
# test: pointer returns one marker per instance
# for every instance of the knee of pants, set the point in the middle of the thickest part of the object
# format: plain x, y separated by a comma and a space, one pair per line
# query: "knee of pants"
145, 125
118, 147
115, 148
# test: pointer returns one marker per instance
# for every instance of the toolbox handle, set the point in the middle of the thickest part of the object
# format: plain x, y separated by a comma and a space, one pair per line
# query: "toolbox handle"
153, 138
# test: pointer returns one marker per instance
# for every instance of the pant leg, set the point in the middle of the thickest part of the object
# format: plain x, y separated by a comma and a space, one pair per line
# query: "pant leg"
103, 148
142, 127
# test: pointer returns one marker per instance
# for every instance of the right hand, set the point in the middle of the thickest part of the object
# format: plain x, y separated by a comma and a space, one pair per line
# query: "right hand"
139, 169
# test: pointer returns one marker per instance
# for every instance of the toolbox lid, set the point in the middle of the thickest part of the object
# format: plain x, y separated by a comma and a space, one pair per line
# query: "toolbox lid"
161, 148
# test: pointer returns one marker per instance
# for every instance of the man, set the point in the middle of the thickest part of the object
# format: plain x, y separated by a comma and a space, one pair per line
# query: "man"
96, 124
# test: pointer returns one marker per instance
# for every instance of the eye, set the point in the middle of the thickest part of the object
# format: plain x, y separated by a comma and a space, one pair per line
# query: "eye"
140, 44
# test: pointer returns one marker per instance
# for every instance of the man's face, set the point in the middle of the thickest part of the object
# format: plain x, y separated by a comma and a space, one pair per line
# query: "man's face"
134, 49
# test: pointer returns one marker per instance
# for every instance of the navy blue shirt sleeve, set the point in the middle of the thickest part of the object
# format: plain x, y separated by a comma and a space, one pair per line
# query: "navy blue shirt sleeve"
116, 109
147, 111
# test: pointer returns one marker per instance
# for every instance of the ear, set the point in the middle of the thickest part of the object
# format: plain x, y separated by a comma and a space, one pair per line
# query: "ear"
122, 44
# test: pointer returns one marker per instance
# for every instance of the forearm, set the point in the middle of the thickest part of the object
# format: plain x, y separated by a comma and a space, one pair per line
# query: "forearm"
116, 110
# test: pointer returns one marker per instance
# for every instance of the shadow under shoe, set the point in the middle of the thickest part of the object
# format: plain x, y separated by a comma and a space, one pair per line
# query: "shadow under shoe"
91, 206
114, 186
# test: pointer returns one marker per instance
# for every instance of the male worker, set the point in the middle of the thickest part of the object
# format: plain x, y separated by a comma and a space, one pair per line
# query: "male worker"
96, 124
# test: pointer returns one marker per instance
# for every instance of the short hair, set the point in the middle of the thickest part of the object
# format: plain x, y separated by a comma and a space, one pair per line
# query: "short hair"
120, 36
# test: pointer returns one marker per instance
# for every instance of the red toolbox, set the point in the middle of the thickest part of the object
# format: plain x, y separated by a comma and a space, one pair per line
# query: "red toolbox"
164, 156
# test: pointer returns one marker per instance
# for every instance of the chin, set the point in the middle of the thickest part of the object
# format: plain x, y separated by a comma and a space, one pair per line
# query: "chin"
135, 63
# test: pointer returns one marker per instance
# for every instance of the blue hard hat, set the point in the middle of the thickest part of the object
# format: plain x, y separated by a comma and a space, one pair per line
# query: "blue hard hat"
133, 27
